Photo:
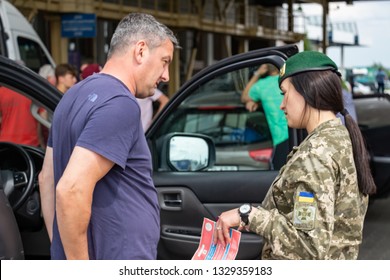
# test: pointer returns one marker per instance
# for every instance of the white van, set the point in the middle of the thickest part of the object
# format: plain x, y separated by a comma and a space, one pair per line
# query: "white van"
19, 40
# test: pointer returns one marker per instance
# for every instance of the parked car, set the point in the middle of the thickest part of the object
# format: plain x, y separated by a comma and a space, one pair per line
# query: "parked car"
359, 88
209, 155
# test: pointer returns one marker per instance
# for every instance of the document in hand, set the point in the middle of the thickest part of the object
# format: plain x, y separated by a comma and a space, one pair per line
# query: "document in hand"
207, 250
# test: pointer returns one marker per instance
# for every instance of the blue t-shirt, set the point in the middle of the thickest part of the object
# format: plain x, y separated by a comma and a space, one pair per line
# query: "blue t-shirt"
100, 114
380, 76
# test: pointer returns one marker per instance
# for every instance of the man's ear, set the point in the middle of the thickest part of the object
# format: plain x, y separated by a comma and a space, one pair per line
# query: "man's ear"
140, 50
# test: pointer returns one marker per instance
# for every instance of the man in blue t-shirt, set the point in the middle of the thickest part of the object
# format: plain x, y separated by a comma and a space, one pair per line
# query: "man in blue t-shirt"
380, 80
98, 197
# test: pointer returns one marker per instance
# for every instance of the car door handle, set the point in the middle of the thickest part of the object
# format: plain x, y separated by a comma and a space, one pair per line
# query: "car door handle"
172, 201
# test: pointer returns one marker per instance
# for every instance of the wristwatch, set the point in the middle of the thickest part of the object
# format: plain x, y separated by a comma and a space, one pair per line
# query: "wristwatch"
244, 211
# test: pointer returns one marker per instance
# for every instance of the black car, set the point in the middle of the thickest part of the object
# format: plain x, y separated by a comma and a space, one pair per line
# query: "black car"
209, 155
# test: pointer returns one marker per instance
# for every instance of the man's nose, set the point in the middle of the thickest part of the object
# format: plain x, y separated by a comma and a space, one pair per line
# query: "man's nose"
165, 76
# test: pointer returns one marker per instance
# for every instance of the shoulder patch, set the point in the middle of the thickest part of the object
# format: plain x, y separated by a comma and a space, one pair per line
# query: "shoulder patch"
305, 209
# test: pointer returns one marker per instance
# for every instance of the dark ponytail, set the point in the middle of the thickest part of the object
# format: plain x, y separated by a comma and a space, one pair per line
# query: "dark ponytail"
361, 156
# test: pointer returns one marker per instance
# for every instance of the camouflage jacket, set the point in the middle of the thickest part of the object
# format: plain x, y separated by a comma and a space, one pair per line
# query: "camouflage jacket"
314, 209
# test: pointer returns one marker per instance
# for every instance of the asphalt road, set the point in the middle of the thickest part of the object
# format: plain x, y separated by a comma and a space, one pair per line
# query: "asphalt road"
376, 232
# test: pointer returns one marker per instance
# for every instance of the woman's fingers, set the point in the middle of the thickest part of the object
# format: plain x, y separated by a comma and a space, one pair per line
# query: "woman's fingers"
225, 221
222, 235
226, 235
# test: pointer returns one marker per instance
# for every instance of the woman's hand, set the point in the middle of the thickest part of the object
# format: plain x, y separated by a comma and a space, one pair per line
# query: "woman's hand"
225, 221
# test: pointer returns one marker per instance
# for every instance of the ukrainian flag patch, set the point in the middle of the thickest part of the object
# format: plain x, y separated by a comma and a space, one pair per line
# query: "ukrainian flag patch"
306, 197
305, 209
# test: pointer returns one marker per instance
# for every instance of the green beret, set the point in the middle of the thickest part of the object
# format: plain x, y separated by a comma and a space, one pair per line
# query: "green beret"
306, 61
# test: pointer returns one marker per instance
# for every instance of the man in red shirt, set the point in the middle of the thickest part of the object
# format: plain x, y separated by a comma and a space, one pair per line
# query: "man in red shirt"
17, 124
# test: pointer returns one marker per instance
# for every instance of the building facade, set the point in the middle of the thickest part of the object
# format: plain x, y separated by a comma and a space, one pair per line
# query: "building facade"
75, 30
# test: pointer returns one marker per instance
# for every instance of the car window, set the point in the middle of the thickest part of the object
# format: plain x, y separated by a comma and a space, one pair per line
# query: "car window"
242, 139
32, 54
3, 39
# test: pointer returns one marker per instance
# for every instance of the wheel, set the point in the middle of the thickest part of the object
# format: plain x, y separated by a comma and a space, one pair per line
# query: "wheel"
16, 184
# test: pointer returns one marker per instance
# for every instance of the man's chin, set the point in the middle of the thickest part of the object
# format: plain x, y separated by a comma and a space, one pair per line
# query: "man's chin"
145, 95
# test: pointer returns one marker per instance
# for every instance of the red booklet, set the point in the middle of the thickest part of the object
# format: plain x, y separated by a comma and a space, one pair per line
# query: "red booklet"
207, 250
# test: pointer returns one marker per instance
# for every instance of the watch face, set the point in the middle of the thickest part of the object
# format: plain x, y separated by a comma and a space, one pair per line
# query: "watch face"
245, 208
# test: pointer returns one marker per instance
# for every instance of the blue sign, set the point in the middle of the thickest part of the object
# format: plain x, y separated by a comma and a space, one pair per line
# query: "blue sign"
78, 25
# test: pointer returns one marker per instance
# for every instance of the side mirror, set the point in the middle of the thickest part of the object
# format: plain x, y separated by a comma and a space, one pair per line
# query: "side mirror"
188, 152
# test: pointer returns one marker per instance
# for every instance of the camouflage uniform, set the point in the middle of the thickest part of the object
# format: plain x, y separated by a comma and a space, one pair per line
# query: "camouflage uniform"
314, 209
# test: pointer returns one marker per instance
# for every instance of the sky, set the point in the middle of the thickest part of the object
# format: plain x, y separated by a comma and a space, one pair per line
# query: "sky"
373, 22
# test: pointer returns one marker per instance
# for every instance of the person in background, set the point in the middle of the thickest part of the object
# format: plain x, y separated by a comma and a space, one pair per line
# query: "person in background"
89, 69
66, 77
17, 125
47, 71
98, 197
348, 102
380, 80
263, 89
316, 206
146, 105
84, 64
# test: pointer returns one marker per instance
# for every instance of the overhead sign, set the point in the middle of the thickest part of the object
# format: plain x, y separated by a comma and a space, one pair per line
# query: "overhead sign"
78, 25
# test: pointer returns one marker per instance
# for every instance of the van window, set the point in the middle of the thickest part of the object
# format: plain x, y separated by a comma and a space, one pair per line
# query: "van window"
32, 54
3, 38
